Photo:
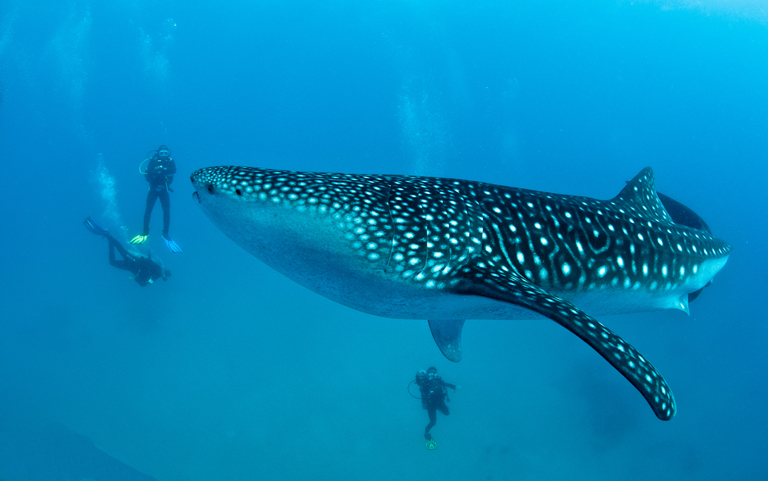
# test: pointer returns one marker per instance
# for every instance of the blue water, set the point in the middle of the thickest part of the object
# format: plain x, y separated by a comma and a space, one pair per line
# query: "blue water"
229, 371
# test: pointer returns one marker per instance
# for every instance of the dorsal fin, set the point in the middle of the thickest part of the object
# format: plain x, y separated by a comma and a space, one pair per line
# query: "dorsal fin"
639, 196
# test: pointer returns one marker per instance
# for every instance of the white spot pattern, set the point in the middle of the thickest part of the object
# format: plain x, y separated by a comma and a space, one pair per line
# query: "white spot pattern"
435, 233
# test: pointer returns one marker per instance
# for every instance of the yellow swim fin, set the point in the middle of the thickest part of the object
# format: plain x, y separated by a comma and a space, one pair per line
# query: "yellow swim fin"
139, 239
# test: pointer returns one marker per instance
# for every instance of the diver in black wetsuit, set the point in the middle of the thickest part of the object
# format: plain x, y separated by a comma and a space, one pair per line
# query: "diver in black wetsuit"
434, 394
145, 270
159, 174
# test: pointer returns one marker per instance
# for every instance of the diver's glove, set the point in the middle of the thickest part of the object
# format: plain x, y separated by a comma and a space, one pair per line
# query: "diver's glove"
139, 239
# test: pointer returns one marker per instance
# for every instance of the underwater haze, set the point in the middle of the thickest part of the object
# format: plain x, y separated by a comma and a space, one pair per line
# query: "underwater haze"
230, 371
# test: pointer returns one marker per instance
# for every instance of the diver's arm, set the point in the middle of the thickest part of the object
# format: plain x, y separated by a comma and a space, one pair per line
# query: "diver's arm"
152, 170
452, 386
169, 171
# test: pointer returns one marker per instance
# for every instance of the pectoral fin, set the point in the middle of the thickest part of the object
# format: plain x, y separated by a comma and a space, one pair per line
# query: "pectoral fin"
447, 335
631, 364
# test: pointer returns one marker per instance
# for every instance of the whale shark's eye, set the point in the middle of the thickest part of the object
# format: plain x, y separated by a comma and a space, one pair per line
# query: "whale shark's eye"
210, 188
238, 192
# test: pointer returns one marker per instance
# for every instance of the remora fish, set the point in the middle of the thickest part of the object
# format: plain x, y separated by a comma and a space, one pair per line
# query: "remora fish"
449, 250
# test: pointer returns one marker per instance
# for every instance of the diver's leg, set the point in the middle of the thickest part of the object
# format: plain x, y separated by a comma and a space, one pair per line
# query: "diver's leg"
165, 203
127, 263
443, 408
124, 265
120, 264
114, 244
432, 420
151, 198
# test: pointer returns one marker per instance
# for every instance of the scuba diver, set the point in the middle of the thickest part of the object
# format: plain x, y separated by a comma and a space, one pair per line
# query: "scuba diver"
159, 174
145, 270
434, 394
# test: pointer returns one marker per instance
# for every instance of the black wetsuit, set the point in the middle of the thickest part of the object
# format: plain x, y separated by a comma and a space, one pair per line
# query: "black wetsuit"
145, 270
159, 174
433, 396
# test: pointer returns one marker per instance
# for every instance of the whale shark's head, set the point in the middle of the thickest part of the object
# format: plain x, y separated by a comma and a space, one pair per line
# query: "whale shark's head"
306, 225
276, 214
332, 233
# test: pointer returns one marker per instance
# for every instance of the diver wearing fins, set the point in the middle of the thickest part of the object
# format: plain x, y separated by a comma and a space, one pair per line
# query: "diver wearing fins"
434, 394
145, 270
159, 174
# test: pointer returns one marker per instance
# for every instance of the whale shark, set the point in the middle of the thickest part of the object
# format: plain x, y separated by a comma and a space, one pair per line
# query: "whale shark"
447, 250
